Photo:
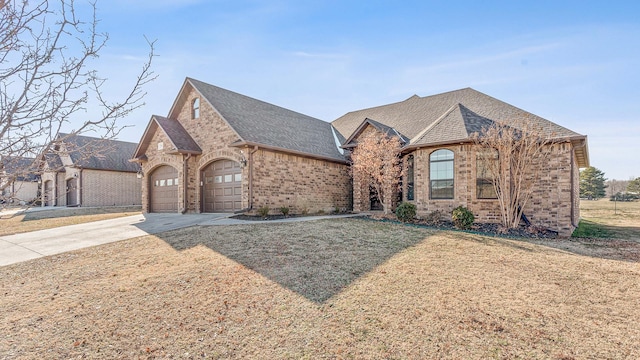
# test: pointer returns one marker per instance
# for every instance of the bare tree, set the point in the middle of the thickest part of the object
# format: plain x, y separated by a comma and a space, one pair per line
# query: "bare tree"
522, 150
47, 82
376, 162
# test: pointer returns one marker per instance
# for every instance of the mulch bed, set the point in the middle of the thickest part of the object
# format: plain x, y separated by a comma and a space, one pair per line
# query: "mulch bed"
490, 229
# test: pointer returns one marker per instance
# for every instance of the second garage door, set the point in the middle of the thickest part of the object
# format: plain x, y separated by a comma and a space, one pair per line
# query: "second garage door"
164, 190
222, 186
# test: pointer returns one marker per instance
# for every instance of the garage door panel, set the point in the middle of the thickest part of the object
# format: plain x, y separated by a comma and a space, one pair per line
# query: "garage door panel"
164, 190
224, 192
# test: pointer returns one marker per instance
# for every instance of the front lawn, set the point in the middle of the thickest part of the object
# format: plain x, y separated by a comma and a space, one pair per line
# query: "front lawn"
47, 219
334, 289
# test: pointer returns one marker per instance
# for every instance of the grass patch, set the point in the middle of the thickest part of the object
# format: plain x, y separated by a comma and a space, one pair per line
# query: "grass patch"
338, 289
590, 229
607, 219
48, 219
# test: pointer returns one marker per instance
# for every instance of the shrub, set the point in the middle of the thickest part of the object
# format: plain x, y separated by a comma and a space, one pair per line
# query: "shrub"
406, 212
462, 218
434, 218
263, 211
284, 210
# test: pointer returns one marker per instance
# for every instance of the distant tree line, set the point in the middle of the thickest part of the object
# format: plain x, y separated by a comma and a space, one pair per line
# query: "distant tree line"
593, 186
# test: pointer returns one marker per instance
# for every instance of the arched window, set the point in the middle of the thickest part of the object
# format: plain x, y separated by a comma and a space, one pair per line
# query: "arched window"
441, 174
410, 181
195, 108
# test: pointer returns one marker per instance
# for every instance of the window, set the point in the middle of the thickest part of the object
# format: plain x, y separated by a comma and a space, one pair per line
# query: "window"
160, 145
228, 178
410, 177
175, 181
441, 174
162, 182
195, 108
485, 160
237, 177
169, 182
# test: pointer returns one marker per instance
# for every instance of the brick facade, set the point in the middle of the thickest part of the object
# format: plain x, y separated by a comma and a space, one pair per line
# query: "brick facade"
278, 179
95, 187
554, 204
110, 188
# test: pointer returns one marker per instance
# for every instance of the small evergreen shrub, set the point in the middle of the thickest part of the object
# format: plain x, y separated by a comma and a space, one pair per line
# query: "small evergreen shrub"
263, 211
284, 210
462, 218
406, 212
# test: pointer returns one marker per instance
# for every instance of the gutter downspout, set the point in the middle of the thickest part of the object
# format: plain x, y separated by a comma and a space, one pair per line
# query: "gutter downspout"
185, 176
80, 187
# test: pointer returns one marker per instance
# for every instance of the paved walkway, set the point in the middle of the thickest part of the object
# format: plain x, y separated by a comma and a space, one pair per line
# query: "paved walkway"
36, 244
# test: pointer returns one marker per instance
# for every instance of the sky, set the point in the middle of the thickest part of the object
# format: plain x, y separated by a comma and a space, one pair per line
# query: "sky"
576, 63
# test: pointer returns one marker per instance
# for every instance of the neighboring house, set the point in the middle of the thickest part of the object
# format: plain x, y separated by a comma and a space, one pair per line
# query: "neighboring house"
88, 171
219, 151
21, 180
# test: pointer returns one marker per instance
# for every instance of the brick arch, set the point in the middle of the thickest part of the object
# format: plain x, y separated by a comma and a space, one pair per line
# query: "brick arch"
150, 166
222, 154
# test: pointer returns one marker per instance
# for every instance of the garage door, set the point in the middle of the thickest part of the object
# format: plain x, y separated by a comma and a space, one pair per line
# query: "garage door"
222, 187
48, 193
164, 190
72, 192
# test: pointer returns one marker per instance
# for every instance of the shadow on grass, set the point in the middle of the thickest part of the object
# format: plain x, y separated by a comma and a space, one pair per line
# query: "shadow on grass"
592, 229
316, 259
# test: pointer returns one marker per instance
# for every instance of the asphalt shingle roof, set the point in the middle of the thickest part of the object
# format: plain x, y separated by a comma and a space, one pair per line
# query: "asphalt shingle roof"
100, 154
178, 135
447, 116
23, 167
259, 122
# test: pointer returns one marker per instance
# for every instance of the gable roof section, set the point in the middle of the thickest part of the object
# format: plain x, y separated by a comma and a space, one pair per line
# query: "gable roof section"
386, 130
259, 123
181, 141
413, 115
98, 154
446, 117
457, 124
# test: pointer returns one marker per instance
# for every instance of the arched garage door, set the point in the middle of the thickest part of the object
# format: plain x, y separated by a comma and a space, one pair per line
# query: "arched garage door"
163, 190
222, 186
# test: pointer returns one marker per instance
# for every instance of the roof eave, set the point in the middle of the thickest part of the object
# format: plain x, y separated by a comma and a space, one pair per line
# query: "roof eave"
295, 152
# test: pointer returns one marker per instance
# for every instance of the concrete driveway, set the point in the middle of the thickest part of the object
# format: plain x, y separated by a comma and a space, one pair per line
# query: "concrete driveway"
36, 244
21, 247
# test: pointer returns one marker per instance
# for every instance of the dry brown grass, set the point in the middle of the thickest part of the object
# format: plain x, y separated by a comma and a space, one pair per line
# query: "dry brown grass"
47, 219
325, 289
621, 219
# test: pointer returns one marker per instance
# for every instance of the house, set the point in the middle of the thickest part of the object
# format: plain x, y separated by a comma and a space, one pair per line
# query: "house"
220, 151
18, 180
89, 171
444, 167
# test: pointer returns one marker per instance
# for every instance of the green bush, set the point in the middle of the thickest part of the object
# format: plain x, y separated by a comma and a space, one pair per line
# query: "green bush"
462, 218
406, 212
263, 211
284, 210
